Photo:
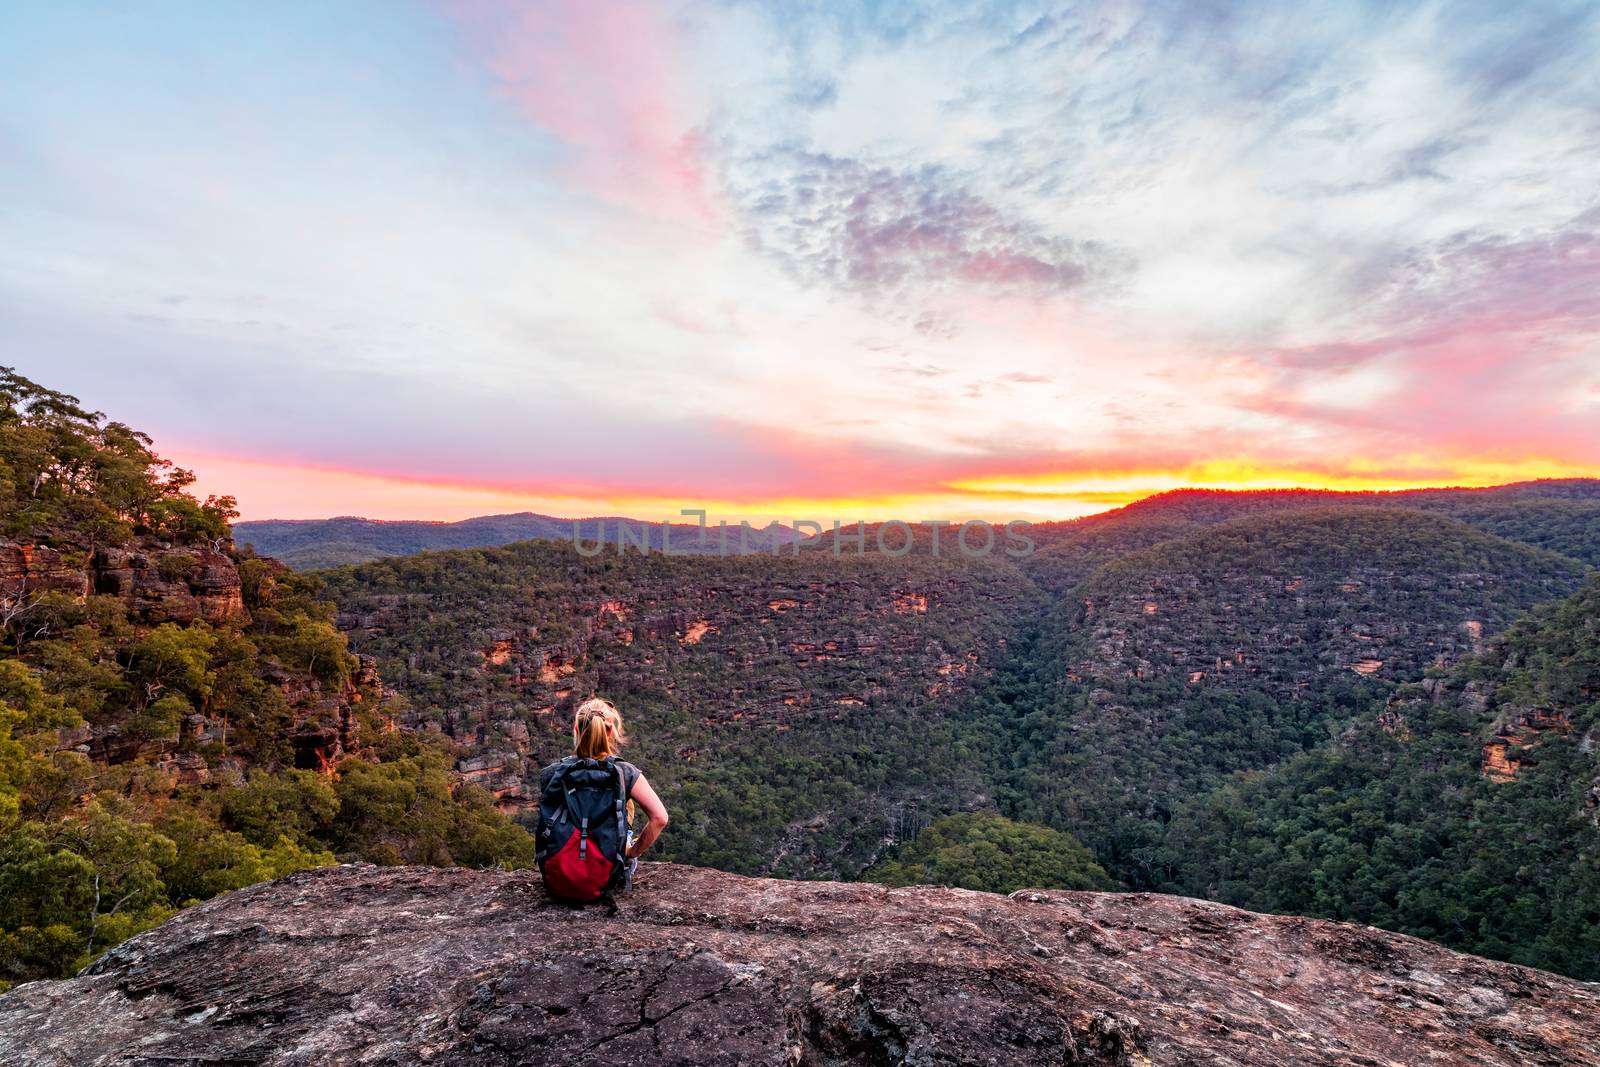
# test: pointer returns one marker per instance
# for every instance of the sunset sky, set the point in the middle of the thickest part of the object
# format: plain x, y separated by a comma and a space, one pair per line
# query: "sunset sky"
808, 259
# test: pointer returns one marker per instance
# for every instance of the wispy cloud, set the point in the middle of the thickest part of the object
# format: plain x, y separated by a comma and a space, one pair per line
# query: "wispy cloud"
880, 233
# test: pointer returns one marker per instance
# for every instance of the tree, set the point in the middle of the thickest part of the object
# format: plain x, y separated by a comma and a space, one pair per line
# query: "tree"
984, 850
174, 657
62, 465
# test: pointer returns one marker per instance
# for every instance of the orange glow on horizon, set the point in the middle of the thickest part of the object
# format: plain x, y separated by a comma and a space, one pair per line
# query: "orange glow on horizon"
275, 490
1356, 475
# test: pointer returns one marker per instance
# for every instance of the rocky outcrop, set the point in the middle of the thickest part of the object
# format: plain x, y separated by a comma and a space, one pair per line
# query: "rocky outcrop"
1515, 735
160, 582
28, 569
163, 584
424, 966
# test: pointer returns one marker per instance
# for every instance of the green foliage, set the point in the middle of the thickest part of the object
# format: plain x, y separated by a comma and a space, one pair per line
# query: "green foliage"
1569, 527
409, 809
70, 889
208, 860
174, 657
987, 851
96, 847
296, 804
160, 719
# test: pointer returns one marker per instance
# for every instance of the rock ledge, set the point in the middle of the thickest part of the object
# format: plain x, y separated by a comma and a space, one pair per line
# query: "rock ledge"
410, 965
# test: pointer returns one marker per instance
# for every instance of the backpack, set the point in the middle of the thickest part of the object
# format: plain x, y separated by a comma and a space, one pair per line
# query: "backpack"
583, 828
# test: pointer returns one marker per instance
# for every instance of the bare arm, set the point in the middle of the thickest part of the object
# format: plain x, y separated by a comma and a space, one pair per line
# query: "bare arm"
654, 810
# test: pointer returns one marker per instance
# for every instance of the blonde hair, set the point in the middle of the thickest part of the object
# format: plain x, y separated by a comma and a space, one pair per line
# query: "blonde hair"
597, 729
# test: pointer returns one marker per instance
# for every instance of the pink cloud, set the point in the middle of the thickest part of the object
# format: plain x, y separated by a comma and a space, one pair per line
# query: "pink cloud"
1488, 345
608, 80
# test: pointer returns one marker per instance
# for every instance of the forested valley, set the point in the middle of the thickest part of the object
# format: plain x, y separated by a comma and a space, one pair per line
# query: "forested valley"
1137, 684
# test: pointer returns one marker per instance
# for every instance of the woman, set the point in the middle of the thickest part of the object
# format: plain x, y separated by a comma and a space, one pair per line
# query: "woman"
597, 734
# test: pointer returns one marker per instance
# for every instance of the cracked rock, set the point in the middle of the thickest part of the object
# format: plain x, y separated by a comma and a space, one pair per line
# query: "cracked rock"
409, 966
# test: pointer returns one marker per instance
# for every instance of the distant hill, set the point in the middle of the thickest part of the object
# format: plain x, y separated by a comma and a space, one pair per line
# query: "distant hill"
307, 544
1269, 602
1561, 515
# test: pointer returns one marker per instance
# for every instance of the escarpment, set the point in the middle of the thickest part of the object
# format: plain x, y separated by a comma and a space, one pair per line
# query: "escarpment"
427, 966
1284, 605
159, 581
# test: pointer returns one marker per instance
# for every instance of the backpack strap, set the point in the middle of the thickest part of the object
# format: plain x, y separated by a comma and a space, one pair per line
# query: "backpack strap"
622, 800
581, 820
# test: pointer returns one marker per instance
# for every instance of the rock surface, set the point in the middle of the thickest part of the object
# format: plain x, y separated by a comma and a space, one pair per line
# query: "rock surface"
167, 584
424, 966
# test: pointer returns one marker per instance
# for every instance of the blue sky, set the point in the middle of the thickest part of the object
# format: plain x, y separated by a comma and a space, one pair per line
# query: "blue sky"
780, 259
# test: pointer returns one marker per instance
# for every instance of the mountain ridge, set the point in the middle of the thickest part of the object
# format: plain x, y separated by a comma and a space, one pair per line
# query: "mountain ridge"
346, 539
802, 677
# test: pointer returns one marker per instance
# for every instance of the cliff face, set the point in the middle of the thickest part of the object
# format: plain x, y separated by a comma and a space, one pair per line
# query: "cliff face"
768, 644
417, 965
164, 584
158, 581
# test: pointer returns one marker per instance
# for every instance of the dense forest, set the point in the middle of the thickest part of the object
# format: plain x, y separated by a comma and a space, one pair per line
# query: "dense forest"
1466, 810
797, 713
169, 708
986, 851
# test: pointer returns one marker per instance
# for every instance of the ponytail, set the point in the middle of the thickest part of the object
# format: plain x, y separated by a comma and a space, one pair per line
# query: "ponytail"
597, 729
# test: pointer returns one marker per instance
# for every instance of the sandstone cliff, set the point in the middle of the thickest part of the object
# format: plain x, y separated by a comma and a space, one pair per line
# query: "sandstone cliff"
159, 581
417, 965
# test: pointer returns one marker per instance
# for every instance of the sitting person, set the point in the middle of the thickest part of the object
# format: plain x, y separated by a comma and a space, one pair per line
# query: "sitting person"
586, 806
